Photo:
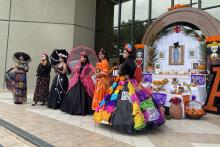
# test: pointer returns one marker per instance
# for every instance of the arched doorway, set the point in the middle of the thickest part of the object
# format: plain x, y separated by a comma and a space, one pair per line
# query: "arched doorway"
200, 19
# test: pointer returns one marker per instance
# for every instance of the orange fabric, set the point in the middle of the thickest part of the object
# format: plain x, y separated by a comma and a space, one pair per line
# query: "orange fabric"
102, 84
210, 106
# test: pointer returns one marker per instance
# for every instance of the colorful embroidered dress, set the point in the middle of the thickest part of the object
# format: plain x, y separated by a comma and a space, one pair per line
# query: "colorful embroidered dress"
128, 106
102, 83
16, 82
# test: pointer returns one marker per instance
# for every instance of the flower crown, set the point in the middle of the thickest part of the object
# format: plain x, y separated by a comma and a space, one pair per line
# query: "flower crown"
128, 48
62, 55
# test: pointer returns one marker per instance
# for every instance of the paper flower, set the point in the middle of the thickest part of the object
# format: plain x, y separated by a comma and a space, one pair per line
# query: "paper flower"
193, 97
139, 121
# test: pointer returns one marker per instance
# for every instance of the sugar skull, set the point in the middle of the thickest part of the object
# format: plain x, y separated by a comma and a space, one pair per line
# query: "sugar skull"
214, 50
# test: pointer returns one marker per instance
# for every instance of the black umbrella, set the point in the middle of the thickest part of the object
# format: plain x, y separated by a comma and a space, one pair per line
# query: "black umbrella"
19, 56
55, 56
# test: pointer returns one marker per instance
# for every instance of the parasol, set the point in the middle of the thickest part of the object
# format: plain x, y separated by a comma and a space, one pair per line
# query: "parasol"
74, 55
55, 56
17, 57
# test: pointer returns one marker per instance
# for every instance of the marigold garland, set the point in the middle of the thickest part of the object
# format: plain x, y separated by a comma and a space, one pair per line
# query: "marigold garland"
210, 39
139, 46
177, 6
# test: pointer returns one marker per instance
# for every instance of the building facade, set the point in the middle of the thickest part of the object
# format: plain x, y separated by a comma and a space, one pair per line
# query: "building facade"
39, 26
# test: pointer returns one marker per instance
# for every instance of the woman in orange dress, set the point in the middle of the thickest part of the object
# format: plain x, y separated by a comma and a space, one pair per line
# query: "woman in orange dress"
102, 79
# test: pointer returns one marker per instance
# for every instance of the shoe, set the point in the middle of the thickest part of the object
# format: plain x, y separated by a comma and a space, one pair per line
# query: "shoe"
34, 104
42, 104
18, 102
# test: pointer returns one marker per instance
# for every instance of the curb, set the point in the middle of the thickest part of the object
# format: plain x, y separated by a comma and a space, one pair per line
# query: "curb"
23, 134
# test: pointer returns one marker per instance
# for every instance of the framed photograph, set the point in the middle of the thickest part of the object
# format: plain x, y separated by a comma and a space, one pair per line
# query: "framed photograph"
192, 53
176, 55
157, 66
161, 55
198, 79
147, 77
195, 65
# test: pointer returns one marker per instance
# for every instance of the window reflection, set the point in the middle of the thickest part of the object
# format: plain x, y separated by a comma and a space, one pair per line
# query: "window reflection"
141, 11
214, 12
126, 11
209, 3
159, 7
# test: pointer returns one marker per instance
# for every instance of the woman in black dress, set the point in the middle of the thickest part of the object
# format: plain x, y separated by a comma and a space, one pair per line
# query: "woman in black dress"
81, 89
59, 85
41, 93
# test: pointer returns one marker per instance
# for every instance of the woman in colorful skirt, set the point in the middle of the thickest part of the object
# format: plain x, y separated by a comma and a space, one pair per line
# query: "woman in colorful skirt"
78, 100
128, 106
17, 80
60, 83
41, 93
102, 79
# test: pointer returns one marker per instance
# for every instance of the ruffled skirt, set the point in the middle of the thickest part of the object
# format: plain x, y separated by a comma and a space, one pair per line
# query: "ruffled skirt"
129, 107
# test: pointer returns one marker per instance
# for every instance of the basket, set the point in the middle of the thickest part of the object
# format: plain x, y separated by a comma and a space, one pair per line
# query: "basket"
176, 111
194, 113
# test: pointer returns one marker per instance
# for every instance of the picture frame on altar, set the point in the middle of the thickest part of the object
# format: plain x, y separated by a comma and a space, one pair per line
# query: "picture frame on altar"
158, 66
195, 65
162, 55
192, 53
198, 79
176, 55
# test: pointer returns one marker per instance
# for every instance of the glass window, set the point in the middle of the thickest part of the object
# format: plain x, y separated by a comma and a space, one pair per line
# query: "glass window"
126, 11
182, 2
116, 15
209, 3
159, 7
214, 12
195, 5
125, 34
113, 45
141, 10
139, 30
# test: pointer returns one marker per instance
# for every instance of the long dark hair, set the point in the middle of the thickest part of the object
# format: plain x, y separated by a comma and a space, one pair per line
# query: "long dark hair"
87, 59
104, 53
47, 58
64, 59
131, 52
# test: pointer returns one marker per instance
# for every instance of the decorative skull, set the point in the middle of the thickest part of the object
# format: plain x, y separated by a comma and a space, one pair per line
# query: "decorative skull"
139, 54
214, 55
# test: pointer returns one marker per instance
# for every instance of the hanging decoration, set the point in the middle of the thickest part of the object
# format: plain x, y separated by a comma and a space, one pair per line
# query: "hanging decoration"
177, 29
187, 31
139, 61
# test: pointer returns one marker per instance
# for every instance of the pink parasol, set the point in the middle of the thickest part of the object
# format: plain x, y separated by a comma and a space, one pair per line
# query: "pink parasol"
74, 55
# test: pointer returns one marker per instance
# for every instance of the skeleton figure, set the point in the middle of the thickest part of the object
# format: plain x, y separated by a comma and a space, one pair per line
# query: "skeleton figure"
139, 55
214, 55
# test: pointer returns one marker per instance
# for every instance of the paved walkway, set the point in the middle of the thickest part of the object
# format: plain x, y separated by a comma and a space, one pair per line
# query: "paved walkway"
52, 131
8, 139
62, 129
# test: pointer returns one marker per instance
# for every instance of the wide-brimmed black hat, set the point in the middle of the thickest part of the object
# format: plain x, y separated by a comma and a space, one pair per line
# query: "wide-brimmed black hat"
56, 54
21, 56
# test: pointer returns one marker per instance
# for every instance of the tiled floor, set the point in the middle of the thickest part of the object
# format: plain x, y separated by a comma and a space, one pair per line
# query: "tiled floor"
181, 133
